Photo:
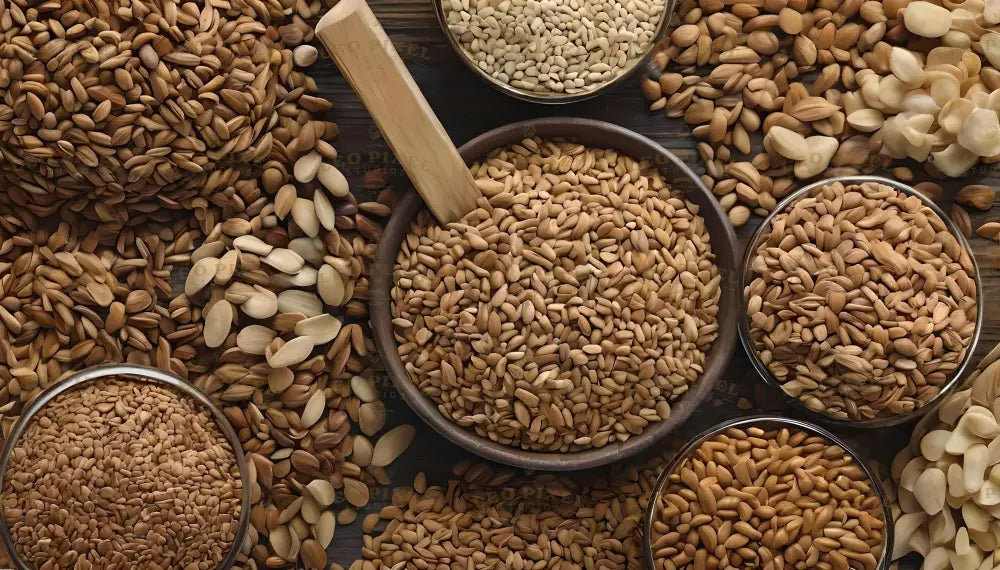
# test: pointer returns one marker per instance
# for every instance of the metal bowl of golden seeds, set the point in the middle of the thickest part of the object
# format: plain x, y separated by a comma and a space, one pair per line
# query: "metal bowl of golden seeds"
494, 41
767, 491
862, 302
137, 448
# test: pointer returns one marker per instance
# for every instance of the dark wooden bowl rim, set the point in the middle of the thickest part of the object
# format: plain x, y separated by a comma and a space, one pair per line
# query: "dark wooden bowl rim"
591, 133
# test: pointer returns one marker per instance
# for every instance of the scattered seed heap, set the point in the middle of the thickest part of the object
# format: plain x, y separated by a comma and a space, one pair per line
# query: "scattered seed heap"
86, 488
97, 107
947, 482
568, 309
862, 303
554, 46
823, 84
487, 519
81, 294
756, 498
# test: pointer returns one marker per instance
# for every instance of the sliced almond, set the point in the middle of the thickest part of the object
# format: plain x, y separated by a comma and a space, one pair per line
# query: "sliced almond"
201, 274
330, 285
392, 445
252, 244
280, 539
930, 490
254, 339
321, 328
363, 451
293, 352
356, 492
787, 143
304, 215
227, 268
218, 322
296, 301
306, 277
284, 200
371, 417
314, 410
311, 510
325, 528
324, 211
311, 249
280, 379
284, 260
263, 304
333, 180
364, 388
305, 168
322, 491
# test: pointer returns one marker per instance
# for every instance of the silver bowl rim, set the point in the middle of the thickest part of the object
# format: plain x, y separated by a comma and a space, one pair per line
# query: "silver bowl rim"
686, 451
744, 319
134, 373
638, 63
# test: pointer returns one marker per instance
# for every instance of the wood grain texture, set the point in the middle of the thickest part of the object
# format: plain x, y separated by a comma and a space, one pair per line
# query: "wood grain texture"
468, 107
368, 59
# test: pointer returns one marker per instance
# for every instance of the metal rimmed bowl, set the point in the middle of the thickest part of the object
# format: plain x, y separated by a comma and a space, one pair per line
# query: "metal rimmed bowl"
591, 133
765, 422
132, 373
747, 278
551, 98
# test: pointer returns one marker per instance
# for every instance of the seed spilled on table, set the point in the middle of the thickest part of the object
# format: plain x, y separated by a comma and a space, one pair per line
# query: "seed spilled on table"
862, 303
569, 309
126, 474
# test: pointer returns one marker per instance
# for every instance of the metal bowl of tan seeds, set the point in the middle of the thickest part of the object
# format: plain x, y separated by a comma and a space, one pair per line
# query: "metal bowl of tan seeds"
554, 51
516, 401
767, 492
159, 451
862, 308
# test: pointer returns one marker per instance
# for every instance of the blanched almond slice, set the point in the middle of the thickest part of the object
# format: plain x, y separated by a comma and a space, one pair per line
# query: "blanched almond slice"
980, 422
787, 143
986, 541
330, 285
904, 528
284, 260
201, 274
363, 451
954, 114
392, 445
364, 388
821, 151
954, 160
305, 168
932, 445
310, 249
321, 328
989, 494
962, 545
262, 304
311, 510
954, 406
252, 244
944, 88
323, 491
980, 133
218, 322
936, 559
944, 55
314, 409
304, 215
324, 529
295, 301
293, 352
306, 277
974, 467
333, 180
866, 120
908, 477
279, 379
926, 19
905, 65
956, 481
930, 490
253, 339
324, 211
941, 529
975, 518
990, 42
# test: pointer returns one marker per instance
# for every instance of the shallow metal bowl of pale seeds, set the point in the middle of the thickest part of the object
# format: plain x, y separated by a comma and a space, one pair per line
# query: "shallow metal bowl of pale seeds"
753, 347
132, 373
659, 549
551, 97
594, 134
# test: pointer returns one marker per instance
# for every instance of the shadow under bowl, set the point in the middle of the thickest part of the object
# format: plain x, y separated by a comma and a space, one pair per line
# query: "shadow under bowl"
594, 134
744, 319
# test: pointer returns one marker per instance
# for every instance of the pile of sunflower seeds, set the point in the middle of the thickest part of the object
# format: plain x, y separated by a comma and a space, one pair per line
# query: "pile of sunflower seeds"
577, 255
862, 303
485, 518
107, 106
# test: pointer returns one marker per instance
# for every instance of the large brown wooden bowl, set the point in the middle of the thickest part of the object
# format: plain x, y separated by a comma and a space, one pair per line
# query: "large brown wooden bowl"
595, 134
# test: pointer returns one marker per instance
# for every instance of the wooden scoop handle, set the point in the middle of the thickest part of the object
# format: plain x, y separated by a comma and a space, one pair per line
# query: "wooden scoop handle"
365, 55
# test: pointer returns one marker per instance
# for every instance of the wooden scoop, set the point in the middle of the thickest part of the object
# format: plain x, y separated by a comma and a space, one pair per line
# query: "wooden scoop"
365, 55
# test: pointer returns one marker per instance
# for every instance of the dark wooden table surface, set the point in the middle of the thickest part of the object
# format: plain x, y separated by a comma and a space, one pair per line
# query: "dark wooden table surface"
468, 107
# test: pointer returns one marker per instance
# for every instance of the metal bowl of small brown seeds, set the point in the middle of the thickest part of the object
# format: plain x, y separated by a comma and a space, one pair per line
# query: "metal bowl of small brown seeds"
133, 467
767, 492
862, 302
560, 337
554, 51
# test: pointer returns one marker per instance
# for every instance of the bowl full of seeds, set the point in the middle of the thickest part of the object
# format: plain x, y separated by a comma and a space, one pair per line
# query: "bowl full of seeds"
554, 51
123, 466
862, 301
578, 315
767, 492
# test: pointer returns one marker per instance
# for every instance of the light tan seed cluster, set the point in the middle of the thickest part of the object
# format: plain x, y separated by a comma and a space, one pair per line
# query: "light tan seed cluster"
554, 46
488, 519
76, 295
123, 474
777, 498
861, 302
569, 309
946, 483
171, 102
283, 304
830, 88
